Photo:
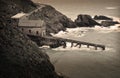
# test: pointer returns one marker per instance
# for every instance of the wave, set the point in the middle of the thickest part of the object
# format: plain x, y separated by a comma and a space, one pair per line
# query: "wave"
115, 28
81, 31
78, 33
71, 32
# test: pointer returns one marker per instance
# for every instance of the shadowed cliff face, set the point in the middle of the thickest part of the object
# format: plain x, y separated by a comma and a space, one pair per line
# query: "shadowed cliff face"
11, 7
19, 56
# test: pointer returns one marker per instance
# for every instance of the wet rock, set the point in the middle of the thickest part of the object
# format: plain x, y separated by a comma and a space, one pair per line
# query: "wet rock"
85, 21
101, 17
41, 41
109, 23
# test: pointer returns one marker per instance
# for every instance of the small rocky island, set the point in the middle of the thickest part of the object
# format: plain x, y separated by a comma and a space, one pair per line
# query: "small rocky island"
105, 21
85, 21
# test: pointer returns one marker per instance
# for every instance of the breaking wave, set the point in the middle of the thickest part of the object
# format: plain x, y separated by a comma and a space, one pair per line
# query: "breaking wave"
81, 31
115, 28
78, 33
71, 32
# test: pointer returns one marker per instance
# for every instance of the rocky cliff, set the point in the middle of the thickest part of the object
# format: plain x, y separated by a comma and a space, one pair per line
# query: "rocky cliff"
19, 56
55, 21
11, 7
85, 21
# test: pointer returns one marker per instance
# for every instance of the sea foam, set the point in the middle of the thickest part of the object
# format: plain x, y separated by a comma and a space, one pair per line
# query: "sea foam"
71, 33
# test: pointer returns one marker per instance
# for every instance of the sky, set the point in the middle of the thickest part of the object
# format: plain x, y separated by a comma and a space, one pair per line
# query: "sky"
72, 8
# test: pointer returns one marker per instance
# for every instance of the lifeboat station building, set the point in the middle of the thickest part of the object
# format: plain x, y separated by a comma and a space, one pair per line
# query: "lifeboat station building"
29, 27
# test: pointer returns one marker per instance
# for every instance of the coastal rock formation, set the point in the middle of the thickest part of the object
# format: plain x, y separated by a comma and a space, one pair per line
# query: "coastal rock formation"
85, 21
55, 21
19, 56
101, 17
11, 7
109, 23
44, 41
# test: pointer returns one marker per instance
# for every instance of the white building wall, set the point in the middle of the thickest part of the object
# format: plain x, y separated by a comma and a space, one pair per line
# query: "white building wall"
34, 31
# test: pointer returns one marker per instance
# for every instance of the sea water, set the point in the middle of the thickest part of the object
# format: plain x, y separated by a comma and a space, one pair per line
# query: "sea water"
86, 62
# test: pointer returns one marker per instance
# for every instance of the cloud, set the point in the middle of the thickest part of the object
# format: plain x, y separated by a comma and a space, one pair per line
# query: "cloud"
111, 8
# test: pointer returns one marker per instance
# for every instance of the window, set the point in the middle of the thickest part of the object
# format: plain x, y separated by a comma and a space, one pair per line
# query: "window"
22, 29
37, 32
29, 31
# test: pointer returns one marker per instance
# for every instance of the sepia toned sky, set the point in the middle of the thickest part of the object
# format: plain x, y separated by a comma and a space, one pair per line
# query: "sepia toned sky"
72, 8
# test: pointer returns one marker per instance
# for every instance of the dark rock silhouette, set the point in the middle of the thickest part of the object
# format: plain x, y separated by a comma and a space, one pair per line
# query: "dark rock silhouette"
43, 41
101, 17
19, 56
11, 7
109, 23
85, 21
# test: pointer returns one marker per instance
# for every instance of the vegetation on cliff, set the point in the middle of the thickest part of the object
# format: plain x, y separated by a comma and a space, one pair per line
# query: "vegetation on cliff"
19, 56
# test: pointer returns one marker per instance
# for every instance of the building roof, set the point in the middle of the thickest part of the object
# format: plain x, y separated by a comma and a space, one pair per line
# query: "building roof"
31, 23
19, 15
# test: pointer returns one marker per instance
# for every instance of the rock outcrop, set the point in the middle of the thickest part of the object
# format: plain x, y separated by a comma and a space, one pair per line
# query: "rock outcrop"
101, 17
85, 21
55, 21
11, 7
19, 56
44, 41
109, 23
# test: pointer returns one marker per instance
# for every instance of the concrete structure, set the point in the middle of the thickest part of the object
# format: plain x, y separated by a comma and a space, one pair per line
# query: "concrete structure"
30, 27
78, 43
57, 41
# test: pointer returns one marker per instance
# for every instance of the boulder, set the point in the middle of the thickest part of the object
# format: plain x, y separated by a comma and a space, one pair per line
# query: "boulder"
109, 23
101, 17
85, 21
